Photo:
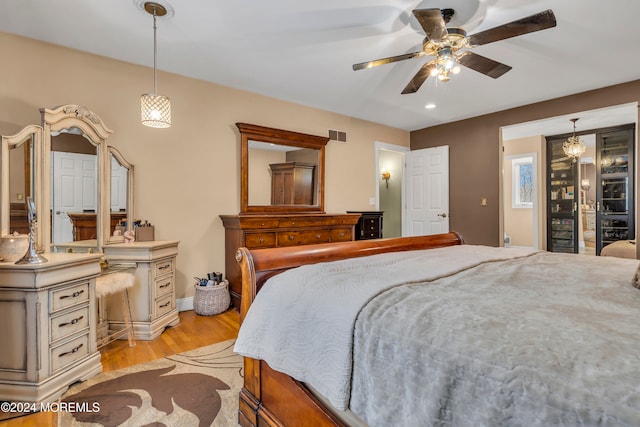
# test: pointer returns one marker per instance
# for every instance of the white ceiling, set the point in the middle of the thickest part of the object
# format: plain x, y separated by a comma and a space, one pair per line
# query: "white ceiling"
303, 51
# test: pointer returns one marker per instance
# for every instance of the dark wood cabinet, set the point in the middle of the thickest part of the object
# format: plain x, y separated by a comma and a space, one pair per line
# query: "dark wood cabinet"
292, 183
258, 231
614, 181
369, 226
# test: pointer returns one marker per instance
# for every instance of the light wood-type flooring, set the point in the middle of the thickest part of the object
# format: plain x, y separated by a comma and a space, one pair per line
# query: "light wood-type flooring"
193, 331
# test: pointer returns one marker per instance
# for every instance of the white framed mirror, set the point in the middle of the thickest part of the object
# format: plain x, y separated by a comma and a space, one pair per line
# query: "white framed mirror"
21, 163
121, 195
74, 146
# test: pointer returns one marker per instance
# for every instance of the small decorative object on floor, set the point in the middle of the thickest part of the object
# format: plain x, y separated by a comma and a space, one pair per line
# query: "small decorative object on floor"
212, 295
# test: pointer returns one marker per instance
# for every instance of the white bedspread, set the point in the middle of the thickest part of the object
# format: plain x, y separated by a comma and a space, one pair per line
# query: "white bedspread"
302, 321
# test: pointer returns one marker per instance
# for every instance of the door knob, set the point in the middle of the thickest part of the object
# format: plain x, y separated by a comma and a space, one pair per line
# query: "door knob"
443, 215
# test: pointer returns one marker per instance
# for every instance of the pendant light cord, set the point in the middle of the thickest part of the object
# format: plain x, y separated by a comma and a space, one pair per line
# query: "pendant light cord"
155, 52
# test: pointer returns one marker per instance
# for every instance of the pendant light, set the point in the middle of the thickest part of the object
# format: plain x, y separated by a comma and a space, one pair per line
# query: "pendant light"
574, 147
155, 109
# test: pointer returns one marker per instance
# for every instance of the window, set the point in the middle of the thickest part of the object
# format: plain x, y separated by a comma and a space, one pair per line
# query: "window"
522, 182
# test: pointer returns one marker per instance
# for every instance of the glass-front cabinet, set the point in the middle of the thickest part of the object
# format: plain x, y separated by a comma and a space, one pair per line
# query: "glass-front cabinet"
562, 215
614, 208
614, 194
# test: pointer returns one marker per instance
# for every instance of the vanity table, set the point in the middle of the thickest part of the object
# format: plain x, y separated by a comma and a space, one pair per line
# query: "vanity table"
282, 197
48, 311
48, 315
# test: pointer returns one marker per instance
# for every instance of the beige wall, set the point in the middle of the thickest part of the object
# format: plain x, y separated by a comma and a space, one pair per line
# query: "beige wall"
474, 156
187, 175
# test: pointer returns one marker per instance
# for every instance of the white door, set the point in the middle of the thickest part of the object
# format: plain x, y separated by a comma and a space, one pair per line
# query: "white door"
74, 190
427, 173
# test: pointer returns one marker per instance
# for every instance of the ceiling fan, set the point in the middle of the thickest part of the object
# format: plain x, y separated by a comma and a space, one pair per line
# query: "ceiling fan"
448, 44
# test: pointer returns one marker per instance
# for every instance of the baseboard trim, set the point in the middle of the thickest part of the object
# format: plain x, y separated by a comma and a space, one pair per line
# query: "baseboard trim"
184, 304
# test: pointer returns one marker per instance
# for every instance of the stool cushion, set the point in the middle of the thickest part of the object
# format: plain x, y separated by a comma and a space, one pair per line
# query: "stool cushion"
114, 282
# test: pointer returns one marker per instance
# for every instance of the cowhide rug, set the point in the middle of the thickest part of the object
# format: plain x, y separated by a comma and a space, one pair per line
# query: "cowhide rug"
196, 388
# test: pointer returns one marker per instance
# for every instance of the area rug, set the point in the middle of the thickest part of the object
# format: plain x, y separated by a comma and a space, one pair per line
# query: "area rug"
196, 388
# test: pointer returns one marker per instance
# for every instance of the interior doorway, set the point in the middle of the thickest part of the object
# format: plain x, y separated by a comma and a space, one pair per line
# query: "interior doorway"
390, 192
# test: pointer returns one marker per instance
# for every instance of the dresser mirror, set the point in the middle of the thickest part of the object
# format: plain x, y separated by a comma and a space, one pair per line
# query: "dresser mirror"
281, 171
68, 170
18, 158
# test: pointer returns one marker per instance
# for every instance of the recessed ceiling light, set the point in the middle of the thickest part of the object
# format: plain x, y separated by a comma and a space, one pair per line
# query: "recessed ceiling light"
430, 106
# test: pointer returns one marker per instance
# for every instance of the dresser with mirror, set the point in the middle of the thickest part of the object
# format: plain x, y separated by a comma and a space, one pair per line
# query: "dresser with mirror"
281, 197
82, 189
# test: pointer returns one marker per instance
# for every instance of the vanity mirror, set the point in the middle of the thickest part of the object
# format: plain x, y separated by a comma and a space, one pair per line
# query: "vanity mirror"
68, 170
282, 171
18, 158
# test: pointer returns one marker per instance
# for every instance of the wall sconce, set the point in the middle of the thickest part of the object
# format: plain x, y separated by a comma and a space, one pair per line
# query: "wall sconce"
385, 175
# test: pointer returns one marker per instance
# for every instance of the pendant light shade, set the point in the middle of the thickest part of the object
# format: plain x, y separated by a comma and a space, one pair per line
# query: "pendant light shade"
155, 110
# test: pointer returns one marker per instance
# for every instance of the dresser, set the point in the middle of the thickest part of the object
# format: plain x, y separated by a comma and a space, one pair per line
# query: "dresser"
153, 296
369, 226
256, 231
47, 313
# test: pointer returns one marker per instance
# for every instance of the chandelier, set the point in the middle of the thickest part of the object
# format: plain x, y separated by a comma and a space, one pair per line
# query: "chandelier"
574, 147
155, 109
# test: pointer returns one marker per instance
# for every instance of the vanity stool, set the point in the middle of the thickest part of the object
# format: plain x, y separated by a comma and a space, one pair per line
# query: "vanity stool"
114, 283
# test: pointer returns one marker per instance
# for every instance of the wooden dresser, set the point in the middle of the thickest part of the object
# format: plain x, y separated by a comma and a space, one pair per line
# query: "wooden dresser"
256, 231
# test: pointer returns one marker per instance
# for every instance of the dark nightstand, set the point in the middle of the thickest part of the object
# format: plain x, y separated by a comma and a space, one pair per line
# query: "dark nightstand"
369, 226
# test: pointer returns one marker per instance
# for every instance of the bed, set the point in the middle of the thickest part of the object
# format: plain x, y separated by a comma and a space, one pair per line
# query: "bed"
428, 331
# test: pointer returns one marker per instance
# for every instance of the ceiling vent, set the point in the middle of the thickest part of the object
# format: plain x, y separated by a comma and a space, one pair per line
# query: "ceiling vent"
337, 135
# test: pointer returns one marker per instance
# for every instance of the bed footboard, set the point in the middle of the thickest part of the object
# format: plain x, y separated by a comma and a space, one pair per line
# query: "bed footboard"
269, 397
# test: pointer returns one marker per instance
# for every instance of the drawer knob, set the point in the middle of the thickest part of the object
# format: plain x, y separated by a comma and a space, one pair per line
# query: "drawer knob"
165, 285
165, 304
342, 234
318, 236
291, 237
262, 225
293, 223
73, 295
73, 350
262, 240
162, 267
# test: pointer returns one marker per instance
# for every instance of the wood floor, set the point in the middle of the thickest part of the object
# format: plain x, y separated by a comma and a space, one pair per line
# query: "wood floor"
193, 331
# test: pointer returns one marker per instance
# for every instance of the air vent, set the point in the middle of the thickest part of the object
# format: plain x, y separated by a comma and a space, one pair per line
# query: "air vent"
337, 135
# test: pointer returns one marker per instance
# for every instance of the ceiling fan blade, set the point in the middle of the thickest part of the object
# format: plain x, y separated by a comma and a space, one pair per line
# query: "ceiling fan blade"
432, 23
389, 60
483, 65
419, 78
530, 24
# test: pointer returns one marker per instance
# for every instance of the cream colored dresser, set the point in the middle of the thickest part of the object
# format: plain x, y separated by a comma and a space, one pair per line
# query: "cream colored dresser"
48, 328
153, 297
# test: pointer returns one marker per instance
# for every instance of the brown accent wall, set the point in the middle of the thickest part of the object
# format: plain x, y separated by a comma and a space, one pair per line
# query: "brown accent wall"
474, 157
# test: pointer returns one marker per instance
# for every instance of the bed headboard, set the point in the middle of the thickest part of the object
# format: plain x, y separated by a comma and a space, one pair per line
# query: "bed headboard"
258, 265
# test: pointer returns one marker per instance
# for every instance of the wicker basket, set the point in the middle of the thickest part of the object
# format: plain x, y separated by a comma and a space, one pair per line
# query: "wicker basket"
210, 300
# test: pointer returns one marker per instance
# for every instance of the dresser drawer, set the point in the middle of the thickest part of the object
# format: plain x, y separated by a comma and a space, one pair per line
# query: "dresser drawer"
305, 237
164, 305
341, 235
68, 324
163, 267
370, 235
63, 298
304, 222
68, 353
371, 224
260, 240
164, 286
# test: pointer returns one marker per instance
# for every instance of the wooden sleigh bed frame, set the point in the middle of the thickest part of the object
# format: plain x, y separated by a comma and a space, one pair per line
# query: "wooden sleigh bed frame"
269, 397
